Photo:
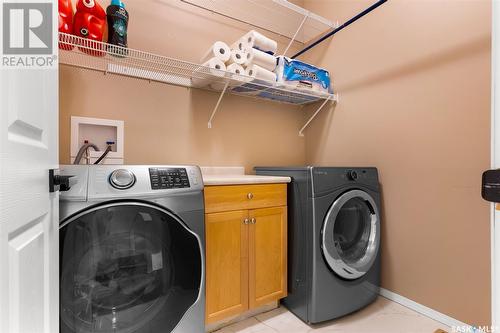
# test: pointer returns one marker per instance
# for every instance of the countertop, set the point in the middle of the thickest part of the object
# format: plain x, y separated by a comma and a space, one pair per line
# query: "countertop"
236, 176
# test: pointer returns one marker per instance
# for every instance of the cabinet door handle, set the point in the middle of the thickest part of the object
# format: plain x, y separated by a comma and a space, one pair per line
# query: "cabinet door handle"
245, 221
253, 220
250, 195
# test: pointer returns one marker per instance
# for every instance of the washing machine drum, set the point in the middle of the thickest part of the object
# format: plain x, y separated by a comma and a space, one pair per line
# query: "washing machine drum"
351, 234
127, 267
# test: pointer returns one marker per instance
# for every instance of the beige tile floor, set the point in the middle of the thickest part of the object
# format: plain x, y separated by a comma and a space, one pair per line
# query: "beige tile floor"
383, 316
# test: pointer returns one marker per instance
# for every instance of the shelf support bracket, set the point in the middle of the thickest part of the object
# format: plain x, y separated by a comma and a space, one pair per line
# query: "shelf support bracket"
217, 105
296, 33
301, 132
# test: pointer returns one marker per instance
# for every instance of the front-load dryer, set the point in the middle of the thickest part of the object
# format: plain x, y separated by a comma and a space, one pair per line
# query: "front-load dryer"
132, 246
334, 240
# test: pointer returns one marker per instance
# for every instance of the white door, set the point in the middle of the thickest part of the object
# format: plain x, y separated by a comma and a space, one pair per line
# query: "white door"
29, 258
495, 163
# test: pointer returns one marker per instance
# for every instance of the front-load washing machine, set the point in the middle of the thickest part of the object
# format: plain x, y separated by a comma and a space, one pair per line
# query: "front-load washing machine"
132, 246
334, 240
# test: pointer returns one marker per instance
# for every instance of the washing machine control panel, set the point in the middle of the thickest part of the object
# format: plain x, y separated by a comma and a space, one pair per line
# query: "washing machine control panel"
166, 178
352, 175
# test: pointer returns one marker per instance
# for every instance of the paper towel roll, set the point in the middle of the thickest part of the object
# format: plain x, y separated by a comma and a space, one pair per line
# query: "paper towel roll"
239, 44
218, 50
259, 58
302, 76
238, 57
202, 77
235, 81
236, 69
257, 40
260, 73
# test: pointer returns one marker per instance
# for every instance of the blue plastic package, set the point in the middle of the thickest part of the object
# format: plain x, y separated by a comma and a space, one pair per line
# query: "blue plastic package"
302, 76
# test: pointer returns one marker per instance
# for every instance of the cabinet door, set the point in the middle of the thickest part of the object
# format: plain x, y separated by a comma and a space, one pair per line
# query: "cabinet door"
227, 264
267, 255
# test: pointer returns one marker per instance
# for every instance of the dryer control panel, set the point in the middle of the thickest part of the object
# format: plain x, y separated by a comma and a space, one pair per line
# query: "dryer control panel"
166, 178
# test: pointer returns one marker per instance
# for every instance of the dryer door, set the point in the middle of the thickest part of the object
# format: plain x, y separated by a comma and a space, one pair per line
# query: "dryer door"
351, 234
127, 267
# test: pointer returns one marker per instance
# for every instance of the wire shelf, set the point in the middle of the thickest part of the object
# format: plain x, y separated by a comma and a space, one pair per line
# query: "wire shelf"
277, 16
80, 52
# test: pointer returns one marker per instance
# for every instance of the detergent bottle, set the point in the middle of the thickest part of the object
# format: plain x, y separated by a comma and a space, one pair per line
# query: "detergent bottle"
117, 28
90, 23
65, 23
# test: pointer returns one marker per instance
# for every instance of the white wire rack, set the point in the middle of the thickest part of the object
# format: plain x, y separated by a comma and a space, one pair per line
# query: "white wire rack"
277, 16
83, 53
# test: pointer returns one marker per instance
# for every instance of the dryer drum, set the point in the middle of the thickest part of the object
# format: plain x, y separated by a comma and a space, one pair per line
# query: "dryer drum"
351, 234
125, 264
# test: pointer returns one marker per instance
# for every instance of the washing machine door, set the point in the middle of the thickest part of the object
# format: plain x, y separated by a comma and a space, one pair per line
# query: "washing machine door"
351, 234
127, 267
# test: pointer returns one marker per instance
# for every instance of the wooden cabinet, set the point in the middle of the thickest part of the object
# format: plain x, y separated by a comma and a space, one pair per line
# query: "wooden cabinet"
246, 248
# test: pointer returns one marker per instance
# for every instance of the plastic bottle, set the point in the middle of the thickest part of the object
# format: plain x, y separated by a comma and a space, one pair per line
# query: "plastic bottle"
90, 23
65, 22
117, 28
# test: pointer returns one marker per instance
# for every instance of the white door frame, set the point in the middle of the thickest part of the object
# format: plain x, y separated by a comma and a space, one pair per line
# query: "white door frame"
495, 161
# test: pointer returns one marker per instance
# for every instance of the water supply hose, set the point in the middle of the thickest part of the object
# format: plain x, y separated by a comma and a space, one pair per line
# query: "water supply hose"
108, 149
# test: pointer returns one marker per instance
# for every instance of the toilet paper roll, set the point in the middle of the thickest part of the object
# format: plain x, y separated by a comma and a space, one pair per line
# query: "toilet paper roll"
257, 72
218, 50
254, 39
259, 58
202, 77
238, 57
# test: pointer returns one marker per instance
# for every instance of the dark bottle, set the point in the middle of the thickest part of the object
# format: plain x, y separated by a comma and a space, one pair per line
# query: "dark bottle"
117, 28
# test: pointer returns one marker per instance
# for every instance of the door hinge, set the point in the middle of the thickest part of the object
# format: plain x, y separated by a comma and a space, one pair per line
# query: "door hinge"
58, 182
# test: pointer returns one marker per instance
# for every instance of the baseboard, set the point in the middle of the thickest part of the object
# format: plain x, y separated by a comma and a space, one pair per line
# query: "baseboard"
428, 312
